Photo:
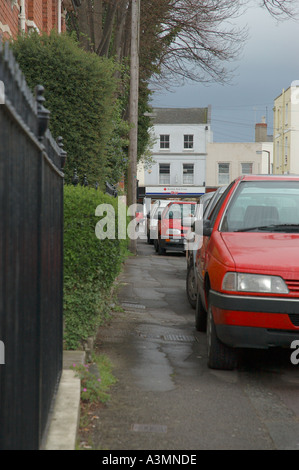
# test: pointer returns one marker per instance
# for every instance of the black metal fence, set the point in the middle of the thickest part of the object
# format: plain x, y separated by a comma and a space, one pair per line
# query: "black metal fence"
110, 189
31, 260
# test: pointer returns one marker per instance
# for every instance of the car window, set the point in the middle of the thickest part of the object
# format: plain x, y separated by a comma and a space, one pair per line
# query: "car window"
212, 216
213, 201
206, 202
181, 210
263, 205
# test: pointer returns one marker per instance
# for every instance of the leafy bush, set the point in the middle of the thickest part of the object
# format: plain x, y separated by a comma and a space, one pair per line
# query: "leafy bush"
90, 265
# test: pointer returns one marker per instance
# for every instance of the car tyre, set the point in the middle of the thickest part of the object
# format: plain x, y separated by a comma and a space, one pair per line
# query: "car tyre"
200, 315
191, 285
161, 251
220, 356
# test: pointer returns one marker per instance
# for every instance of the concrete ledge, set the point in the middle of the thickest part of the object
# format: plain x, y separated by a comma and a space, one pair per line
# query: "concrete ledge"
63, 428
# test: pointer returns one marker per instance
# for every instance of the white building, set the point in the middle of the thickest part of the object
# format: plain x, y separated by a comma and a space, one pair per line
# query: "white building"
286, 131
227, 161
179, 153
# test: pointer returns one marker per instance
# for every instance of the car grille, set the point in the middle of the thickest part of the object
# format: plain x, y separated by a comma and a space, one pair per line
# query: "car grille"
293, 286
294, 317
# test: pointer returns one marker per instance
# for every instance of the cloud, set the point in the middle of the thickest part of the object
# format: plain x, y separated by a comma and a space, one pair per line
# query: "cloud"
268, 64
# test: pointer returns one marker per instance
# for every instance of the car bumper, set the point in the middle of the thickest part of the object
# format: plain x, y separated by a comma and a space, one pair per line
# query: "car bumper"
255, 322
173, 244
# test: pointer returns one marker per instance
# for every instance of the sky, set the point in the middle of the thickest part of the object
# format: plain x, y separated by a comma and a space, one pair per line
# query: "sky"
268, 64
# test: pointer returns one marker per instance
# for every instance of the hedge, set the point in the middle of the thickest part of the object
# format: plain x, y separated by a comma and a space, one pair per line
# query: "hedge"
81, 93
91, 265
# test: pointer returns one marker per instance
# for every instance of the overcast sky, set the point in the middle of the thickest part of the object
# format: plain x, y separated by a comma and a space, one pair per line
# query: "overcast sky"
269, 63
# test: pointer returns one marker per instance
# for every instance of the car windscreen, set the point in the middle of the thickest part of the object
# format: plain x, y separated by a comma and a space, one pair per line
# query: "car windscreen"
181, 211
271, 206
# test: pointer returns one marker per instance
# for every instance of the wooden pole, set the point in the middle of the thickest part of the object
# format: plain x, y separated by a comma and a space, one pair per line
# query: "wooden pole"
133, 115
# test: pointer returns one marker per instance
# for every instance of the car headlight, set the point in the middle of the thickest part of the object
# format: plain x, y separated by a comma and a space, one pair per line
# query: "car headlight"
245, 282
173, 231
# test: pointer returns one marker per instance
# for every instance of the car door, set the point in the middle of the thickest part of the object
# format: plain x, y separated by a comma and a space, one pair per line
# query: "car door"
203, 252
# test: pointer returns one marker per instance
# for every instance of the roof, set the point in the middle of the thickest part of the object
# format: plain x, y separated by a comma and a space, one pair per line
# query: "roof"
267, 177
181, 115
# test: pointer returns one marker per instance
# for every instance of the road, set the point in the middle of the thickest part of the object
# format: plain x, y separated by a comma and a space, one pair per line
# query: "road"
166, 397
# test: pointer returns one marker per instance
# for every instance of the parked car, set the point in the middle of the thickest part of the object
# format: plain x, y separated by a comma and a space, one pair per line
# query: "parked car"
173, 225
247, 269
152, 218
204, 203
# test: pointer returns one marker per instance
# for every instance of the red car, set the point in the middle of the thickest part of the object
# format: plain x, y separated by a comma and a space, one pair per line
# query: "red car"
173, 225
248, 269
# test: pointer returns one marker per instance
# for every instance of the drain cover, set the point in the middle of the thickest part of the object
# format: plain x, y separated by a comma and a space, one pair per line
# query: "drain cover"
178, 338
132, 305
149, 428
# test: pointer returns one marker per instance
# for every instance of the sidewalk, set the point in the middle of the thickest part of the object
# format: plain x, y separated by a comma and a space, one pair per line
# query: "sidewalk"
64, 423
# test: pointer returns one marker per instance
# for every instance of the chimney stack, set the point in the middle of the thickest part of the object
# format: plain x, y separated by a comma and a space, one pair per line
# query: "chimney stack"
261, 131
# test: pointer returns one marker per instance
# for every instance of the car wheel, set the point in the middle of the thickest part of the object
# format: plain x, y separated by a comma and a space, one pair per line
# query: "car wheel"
200, 315
161, 251
220, 356
191, 288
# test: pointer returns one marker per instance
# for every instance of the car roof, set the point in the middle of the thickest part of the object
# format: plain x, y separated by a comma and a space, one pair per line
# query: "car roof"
267, 177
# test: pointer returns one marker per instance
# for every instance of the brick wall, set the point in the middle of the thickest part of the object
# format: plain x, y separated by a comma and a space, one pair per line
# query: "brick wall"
35, 13
47, 15
9, 19
43, 13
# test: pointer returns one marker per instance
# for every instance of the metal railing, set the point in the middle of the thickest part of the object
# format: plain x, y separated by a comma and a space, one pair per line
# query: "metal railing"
31, 260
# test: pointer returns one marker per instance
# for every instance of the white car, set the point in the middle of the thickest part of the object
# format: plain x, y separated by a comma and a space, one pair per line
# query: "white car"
152, 218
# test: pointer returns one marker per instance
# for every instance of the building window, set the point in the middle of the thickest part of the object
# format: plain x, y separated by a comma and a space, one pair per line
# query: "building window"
287, 114
246, 168
223, 173
188, 173
277, 156
286, 150
164, 141
188, 141
164, 173
278, 120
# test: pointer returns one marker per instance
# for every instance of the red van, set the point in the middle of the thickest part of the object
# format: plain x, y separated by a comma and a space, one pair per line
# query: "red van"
173, 224
248, 268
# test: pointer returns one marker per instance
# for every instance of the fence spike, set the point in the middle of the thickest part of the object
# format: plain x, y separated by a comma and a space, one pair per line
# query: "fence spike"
43, 114
63, 153
75, 179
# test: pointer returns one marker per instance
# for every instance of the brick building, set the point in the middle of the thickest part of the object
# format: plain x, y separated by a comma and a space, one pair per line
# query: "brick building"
17, 16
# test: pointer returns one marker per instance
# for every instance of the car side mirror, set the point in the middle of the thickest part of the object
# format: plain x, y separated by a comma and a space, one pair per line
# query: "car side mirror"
159, 216
170, 214
207, 228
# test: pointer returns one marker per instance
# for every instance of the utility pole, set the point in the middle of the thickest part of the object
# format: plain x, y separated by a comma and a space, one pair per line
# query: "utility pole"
133, 114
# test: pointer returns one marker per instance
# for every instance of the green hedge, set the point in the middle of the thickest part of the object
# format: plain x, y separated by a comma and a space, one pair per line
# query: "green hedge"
80, 92
90, 264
